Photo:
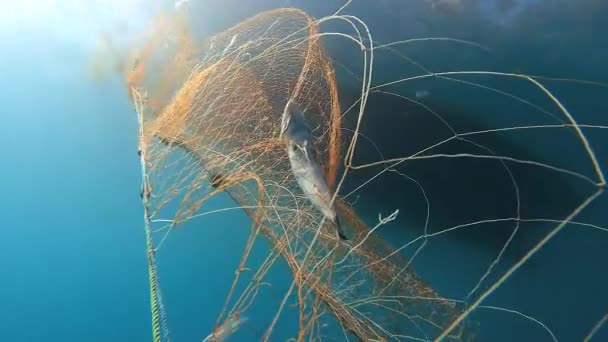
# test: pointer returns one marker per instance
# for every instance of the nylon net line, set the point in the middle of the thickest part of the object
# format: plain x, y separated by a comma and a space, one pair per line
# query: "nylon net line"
211, 113
210, 110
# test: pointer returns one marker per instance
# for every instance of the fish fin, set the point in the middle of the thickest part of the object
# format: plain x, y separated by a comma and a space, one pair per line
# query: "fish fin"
304, 150
341, 234
286, 117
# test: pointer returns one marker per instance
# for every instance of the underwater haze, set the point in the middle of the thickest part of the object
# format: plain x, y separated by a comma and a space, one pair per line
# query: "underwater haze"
73, 249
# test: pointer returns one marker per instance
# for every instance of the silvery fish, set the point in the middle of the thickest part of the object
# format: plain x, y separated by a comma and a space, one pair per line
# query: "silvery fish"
304, 164
229, 327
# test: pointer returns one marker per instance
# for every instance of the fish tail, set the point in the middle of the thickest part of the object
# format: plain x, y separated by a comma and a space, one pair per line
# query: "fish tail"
341, 234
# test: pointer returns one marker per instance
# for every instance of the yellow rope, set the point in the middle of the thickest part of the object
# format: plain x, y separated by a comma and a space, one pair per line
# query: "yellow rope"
153, 289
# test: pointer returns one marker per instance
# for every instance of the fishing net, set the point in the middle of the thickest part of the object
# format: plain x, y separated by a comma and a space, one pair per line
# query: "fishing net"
210, 117
220, 101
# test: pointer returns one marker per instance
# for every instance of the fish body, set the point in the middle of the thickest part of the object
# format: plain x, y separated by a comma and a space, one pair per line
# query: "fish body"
422, 93
305, 165
217, 180
229, 327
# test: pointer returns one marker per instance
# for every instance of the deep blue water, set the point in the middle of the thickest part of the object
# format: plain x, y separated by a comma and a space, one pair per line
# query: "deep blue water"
72, 251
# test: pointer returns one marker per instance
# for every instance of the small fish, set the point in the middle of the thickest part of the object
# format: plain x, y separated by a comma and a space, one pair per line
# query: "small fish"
304, 163
422, 93
164, 141
229, 327
217, 180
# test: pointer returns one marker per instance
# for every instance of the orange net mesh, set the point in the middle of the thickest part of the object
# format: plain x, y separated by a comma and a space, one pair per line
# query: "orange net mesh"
220, 100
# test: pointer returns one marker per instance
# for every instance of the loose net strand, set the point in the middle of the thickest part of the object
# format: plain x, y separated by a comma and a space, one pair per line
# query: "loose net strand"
209, 114
600, 184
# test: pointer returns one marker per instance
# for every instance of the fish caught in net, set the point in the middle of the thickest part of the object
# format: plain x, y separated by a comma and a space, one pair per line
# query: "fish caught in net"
212, 118
220, 102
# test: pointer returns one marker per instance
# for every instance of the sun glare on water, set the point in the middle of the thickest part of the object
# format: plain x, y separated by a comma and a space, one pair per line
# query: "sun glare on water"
71, 19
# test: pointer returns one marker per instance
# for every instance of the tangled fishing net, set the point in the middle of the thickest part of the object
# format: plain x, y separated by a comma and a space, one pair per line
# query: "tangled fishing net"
210, 117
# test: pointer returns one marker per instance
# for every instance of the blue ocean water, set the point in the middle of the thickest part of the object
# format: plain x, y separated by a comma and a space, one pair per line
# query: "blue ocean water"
72, 252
